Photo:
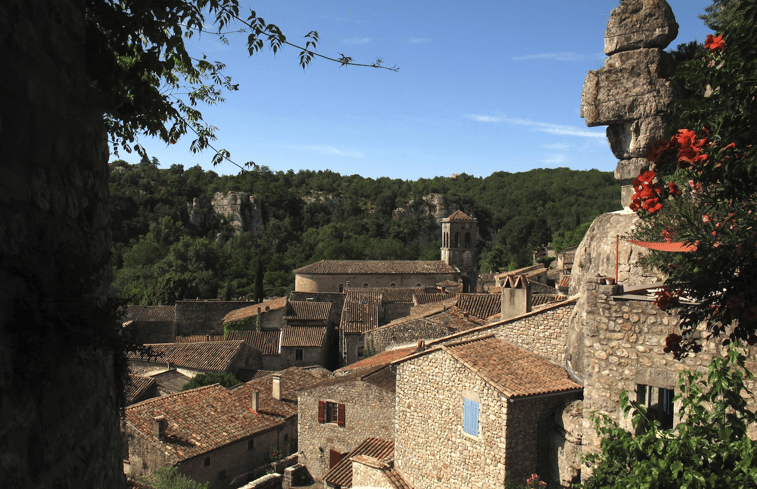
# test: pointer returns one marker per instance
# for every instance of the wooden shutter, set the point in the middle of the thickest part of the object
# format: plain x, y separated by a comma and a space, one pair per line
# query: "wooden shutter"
334, 458
470, 417
321, 411
340, 415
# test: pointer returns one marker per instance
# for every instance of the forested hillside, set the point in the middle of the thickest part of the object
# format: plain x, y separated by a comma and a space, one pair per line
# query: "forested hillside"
160, 256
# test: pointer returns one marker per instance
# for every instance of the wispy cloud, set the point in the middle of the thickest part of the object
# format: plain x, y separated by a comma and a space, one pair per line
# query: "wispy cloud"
567, 56
554, 160
559, 129
418, 40
328, 150
558, 146
358, 40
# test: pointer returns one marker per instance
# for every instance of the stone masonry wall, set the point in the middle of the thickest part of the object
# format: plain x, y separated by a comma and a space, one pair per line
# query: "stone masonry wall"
58, 414
365, 476
405, 333
431, 448
204, 317
151, 331
369, 412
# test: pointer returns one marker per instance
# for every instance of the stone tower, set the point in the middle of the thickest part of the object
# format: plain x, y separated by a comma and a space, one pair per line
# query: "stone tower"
459, 233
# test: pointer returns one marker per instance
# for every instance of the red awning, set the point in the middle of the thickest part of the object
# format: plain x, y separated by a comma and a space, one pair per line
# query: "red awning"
672, 247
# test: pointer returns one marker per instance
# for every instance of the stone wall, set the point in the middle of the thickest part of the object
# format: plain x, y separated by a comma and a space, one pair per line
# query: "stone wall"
369, 412
204, 317
405, 333
151, 331
58, 413
310, 356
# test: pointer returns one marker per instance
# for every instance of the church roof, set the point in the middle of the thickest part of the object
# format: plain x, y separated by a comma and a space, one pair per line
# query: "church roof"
376, 267
460, 216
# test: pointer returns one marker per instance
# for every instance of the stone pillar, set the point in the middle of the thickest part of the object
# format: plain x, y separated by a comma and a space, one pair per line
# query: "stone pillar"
58, 414
631, 93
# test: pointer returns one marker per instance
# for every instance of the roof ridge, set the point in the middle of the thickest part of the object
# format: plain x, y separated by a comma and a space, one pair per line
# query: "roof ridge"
175, 394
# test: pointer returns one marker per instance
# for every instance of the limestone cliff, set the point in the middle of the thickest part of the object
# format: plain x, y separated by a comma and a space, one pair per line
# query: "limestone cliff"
242, 211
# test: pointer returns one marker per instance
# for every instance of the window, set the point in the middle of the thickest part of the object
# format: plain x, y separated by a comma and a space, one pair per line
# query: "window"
286, 438
365, 285
221, 475
360, 351
341, 288
470, 417
331, 412
206, 462
393, 285
298, 354
659, 403
251, 444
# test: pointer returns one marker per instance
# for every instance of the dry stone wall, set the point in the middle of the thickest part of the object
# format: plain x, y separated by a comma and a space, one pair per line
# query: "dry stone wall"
58, 414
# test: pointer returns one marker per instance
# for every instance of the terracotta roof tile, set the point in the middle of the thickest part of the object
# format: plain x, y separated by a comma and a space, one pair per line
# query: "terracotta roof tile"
538, 300
304, 336
379, 375
449, 283
266, 340
309, 311
206, 355
341, 473
136, 386
429, 298
564, 282
384, 267
379, 359
514, 371
362, 295
528, 271
292, 380
459, 216
481, 306
252, 311
358, 317
400, 294
199, 420
456, 319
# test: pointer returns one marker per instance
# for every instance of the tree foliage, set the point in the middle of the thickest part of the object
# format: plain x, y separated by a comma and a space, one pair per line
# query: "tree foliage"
709, 448
209, 378
702, 191
162, 256
170, 478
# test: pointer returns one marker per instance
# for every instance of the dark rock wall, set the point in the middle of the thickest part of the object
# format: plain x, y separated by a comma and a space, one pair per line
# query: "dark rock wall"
58, 414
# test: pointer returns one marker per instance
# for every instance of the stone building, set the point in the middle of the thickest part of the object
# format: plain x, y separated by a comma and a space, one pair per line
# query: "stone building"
139, 388
213, 434
339, 275
370, 464
191, 359
475, 400
337, 414
459, 235
150, 324
265, 315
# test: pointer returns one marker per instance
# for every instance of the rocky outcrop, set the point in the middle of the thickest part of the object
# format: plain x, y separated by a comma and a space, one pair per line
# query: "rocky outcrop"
636, 24
436, 204
195, 213
242, 211
328, 200
633, 89
565, 449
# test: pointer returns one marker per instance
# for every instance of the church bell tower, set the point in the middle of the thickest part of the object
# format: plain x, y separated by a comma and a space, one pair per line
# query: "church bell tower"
459, 234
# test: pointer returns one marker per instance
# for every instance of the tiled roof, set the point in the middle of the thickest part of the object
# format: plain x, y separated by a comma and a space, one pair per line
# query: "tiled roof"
150, 313
266, 340
252, 311
456, 319
341, 473
514, 371
425, 310
309, 311
538, 300
292, 380
564, 282
206, 355
304, 336
363, 295
459, 216
198, 337
379, 359
136, 386
400, 294
383, 267
480, 305
392, 475
171, 380
199, 420
358, 317
449, 283
537, 269
424, 298
379, 375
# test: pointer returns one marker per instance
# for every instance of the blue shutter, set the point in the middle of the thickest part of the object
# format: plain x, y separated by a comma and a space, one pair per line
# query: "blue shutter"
470, 418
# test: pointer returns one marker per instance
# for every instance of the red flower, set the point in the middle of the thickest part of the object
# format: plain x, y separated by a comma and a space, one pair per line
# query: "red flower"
690, 148
667, 236
713, 43
705, 218
673, 189
662, 149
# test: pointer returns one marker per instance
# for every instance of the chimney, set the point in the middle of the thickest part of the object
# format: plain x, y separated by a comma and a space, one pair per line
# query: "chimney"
421, 345
516, 297
255, 401
276, 387
159, 425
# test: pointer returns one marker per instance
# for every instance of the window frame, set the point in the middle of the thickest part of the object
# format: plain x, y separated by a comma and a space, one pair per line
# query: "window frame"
330, 412
659, 404
471, 417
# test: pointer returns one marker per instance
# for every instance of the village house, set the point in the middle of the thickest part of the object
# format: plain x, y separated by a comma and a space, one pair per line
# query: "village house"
265, 315
149, 324
370, 464
474, 400
337, 414
191, 359
139, 388
216, 435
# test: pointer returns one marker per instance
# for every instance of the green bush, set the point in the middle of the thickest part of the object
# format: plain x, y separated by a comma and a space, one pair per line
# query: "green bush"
170, 478
224, 378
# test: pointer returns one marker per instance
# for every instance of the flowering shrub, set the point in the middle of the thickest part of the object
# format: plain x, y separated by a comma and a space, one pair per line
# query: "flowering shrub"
702, 188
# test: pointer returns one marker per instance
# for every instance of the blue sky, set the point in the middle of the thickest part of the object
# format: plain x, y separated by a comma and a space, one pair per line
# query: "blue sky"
483, 86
